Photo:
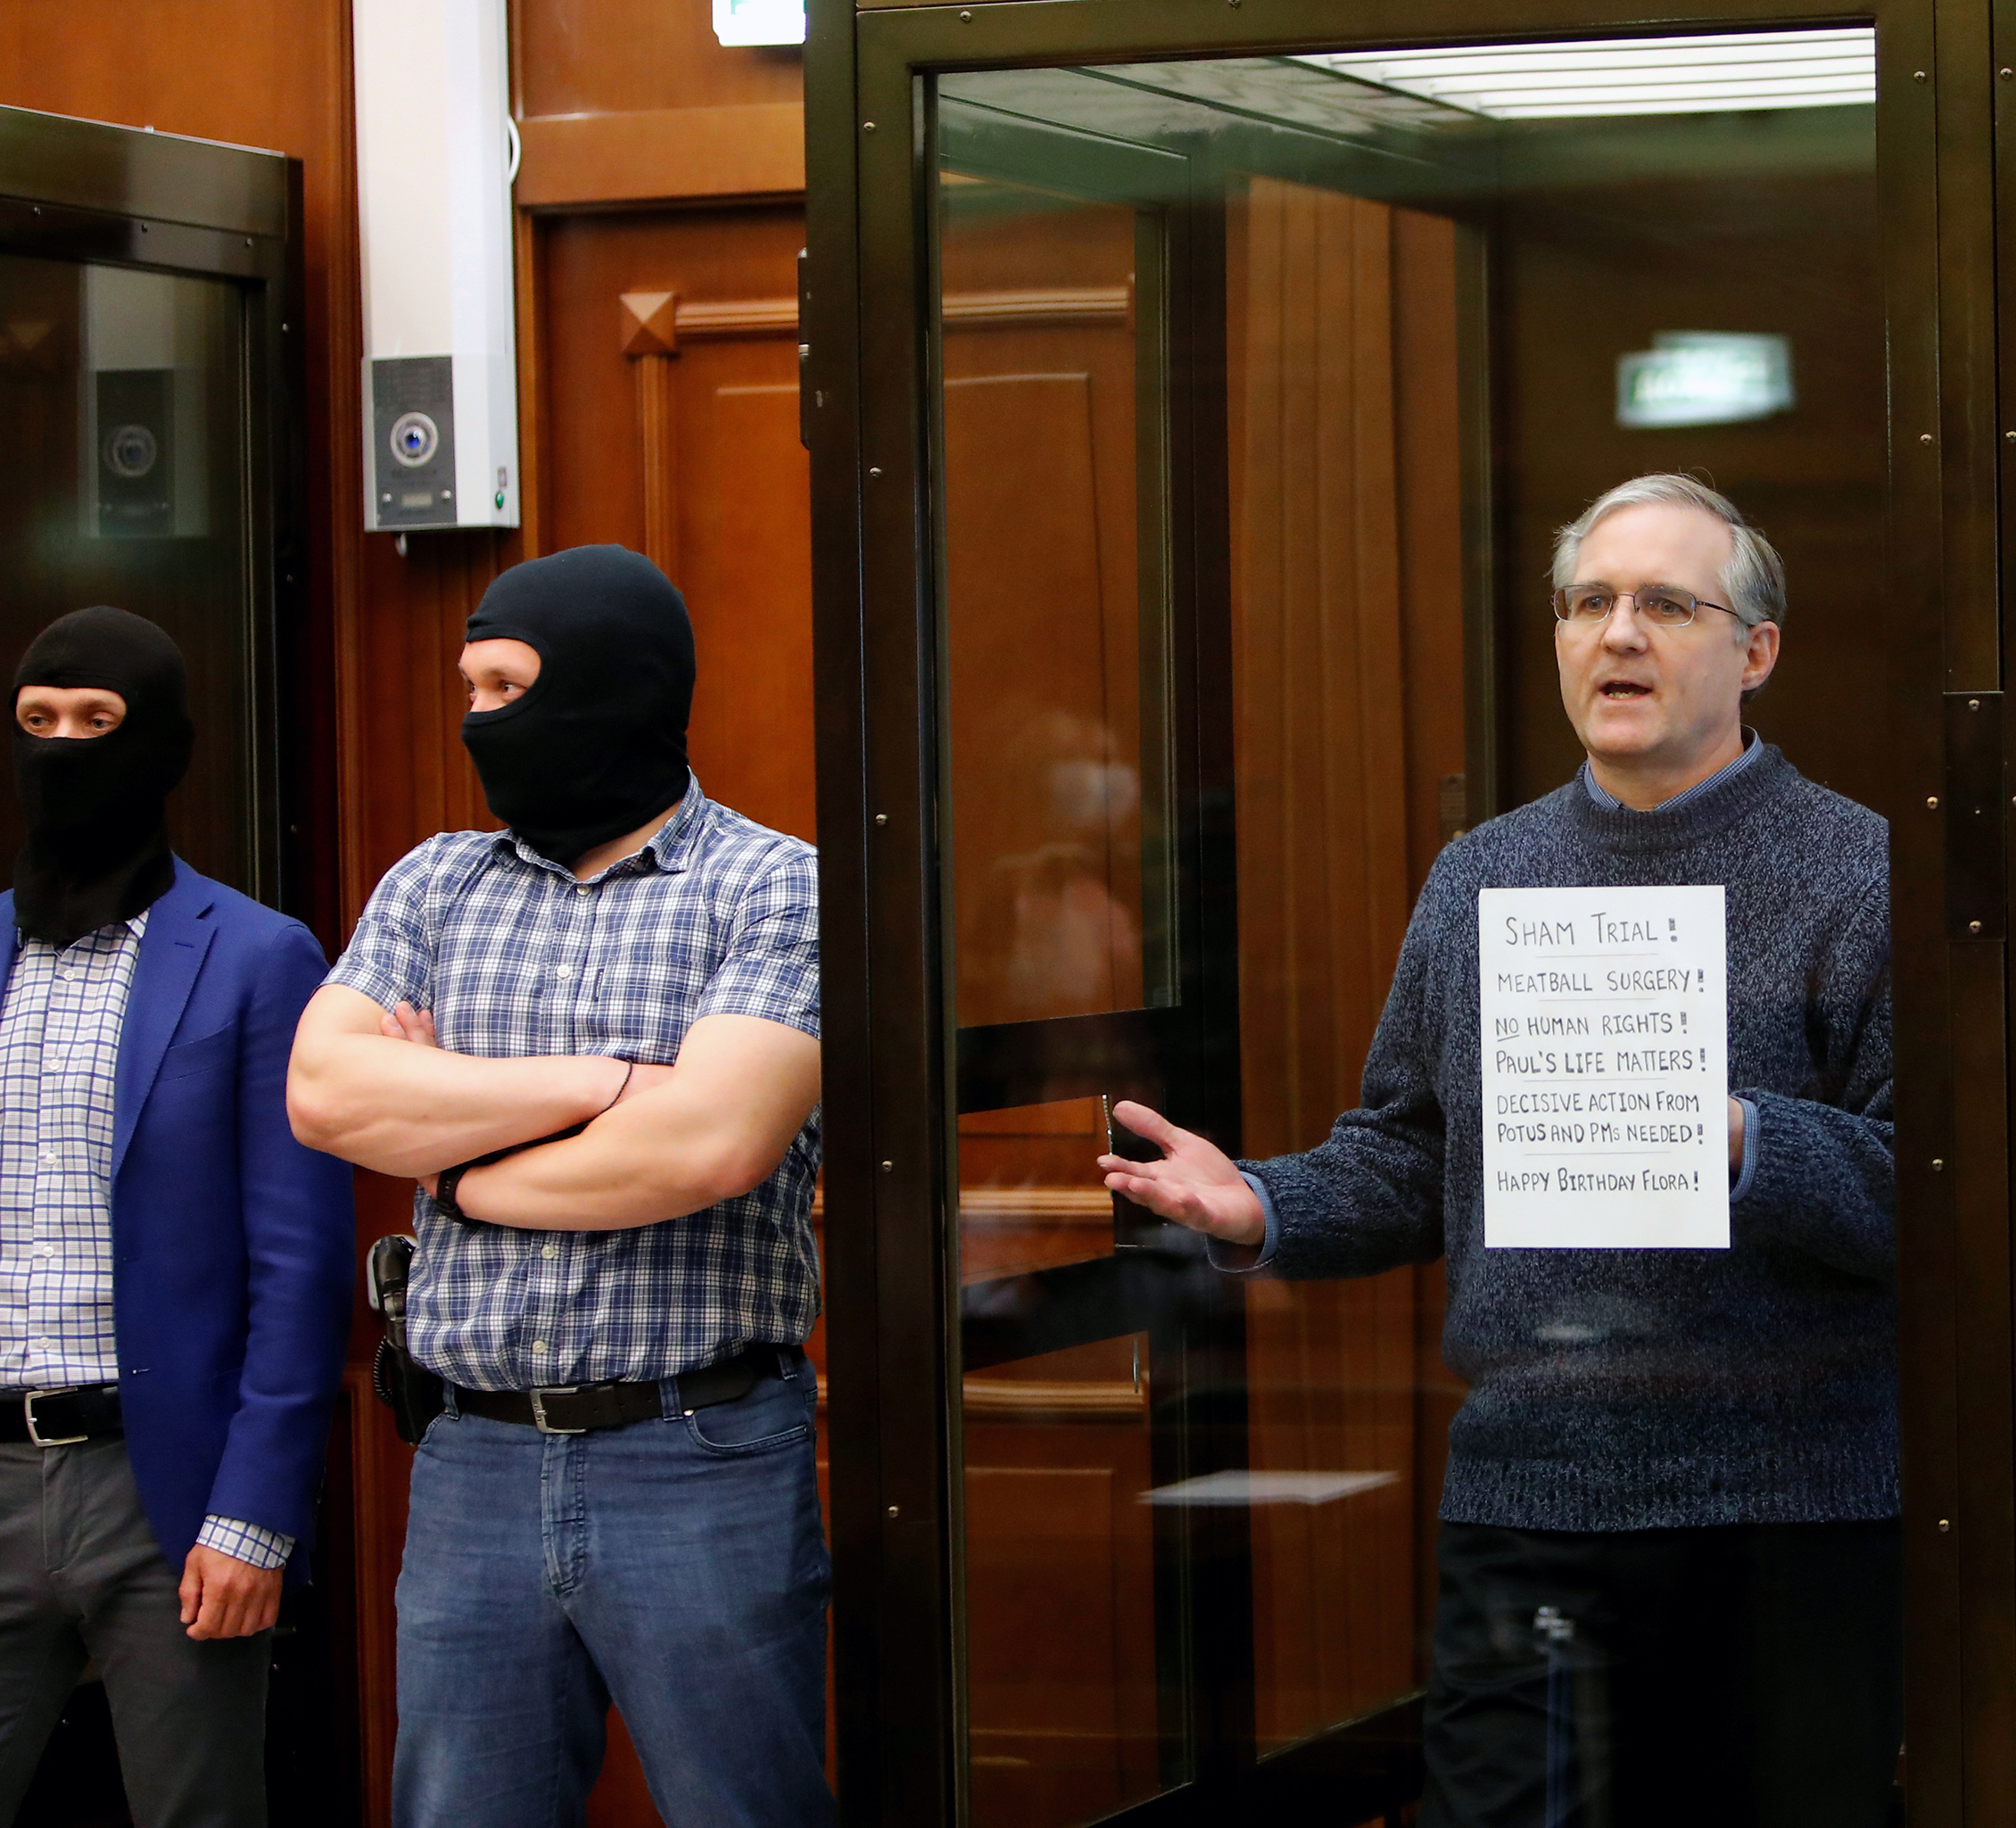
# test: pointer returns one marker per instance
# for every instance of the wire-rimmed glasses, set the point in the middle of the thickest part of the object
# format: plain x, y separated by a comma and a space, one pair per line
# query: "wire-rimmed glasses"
1665, 605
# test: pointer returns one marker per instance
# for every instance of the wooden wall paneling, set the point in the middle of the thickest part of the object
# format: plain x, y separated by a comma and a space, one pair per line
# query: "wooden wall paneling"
635, 102
381, 1468
1343, 532
1795, 252
745, 539
1060, 1587
1044, 613
624, 56
693, 455
658, 154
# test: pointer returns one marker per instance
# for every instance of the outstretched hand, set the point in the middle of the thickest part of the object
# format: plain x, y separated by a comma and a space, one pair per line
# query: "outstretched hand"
1194, 1183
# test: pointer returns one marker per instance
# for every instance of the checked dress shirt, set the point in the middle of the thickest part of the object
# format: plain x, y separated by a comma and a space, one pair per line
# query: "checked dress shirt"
715, 915
60, 1028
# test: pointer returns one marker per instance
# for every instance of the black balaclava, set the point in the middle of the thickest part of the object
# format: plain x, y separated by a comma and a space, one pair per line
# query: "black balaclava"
597, 745
97, 840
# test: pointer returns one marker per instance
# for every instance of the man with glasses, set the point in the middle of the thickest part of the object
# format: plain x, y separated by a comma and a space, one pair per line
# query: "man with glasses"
1669, 1545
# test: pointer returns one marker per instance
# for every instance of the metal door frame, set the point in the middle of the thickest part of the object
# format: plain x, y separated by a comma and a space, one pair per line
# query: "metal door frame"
87, 192
1943, 117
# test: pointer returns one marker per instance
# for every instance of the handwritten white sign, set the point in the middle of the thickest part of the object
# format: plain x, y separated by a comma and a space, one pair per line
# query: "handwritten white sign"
1605, 1044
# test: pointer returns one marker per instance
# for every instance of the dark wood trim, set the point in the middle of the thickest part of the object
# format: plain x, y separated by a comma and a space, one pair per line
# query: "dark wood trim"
657, 434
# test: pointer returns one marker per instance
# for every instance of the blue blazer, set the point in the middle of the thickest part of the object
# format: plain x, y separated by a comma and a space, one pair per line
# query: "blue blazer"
233, 1246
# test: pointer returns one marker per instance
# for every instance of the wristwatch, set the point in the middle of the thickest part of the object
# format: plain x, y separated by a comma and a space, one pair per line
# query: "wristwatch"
449, 1179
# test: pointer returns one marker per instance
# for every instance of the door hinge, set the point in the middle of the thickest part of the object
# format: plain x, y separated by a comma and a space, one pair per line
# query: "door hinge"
1975, 809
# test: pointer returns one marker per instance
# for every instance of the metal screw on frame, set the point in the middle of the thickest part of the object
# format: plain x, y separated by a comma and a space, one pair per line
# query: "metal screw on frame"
1918, 76
1924, 437
1933, 802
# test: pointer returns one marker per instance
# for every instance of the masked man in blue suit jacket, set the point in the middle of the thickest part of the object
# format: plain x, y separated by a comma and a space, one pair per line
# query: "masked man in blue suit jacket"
174, 1268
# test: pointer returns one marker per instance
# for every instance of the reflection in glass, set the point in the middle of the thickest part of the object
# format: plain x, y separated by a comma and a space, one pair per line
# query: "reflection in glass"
1418, 392
1348, 655
1061, 1635
121, 482
1052, 607
1028, 1198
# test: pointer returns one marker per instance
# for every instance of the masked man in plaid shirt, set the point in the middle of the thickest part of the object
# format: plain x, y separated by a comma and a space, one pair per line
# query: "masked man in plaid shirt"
619, 1502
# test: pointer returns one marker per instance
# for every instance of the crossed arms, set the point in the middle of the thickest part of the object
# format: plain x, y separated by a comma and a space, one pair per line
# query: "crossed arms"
373, 1089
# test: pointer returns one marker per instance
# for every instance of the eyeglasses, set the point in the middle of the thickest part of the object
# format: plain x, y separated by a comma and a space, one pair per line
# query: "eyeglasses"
1665, 605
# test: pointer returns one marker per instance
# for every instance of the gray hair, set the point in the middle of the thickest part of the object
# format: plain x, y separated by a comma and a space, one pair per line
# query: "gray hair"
1754, 580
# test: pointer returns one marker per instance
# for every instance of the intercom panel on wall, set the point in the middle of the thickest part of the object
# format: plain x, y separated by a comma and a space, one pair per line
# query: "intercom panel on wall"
434, 163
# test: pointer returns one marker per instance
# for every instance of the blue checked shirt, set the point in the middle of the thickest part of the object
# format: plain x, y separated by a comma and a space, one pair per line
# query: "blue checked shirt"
716, 915
60, 1027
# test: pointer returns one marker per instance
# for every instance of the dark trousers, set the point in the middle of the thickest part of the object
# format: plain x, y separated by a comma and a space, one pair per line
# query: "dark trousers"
82, 1578
1747, 1675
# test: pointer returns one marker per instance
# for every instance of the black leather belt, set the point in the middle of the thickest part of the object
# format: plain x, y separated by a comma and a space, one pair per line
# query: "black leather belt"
576, 1409
60, 1418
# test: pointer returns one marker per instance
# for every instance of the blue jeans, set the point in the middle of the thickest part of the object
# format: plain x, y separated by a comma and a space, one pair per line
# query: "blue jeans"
676, 1567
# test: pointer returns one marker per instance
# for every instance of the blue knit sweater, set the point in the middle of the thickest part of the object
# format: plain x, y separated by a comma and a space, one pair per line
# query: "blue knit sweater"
1613, 1389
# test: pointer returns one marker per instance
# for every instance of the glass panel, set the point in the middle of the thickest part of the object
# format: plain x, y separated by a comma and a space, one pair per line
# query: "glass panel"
1061, 1644
121, 482
1465, 293
1054, 610
1024, 1202
1348, 652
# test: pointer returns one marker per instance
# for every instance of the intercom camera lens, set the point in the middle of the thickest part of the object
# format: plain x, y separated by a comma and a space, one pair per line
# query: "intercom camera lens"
130, 451
414, 438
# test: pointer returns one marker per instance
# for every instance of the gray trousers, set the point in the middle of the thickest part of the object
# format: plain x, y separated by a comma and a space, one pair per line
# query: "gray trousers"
82, 1579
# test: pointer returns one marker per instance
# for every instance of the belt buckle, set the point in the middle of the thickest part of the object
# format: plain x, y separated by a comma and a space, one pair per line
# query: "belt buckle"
29, 1399
539, 1408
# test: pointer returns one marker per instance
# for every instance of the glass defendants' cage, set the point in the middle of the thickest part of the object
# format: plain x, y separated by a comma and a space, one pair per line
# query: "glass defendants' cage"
1194, 391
